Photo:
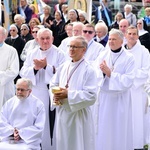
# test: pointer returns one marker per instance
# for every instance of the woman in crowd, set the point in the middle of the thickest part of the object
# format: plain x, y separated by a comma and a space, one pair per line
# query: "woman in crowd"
46, 18
144, 35
82, 17
33, 22
57, 26
19, 20
118, 17
34, 15
32, 44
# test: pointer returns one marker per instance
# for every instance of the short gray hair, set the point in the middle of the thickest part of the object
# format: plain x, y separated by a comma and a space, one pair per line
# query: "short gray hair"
28, 82
128, 6
102, 25
44, 30
118, 32
80, 38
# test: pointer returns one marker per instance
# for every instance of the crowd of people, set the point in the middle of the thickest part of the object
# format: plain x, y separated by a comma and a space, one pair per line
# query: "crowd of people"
100, 73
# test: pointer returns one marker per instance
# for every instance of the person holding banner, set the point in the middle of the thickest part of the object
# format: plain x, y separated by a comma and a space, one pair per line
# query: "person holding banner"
103, 13
25, 10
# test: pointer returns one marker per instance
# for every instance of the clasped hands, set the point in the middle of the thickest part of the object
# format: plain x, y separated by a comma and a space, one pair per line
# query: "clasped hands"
39, 64
105, 69
16, 135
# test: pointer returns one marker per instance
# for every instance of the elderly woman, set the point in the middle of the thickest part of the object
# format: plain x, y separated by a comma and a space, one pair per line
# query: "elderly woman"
19, 20
73, 16
82, 17
32, 44
118, 17
129, 15
46, 17
25, 33
144, 35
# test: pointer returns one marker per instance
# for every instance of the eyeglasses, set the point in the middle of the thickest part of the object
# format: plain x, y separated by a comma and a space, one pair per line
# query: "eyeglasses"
89, 32
23, 29
22, 90
34, 31
12, 30
74, 47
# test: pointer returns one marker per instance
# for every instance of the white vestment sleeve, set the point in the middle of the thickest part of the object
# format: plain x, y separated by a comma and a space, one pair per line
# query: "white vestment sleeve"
33, 133
142, 73
5, 128
79, 99
12, 70
27, 70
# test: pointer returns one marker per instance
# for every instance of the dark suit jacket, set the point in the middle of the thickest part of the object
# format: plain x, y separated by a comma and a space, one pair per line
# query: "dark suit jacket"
103, 16
103, 42
28, 13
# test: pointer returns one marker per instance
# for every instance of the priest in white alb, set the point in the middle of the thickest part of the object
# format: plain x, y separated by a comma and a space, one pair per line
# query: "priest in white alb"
78, 87
22, 120
40, 66
138, 95
9, 68
112, 110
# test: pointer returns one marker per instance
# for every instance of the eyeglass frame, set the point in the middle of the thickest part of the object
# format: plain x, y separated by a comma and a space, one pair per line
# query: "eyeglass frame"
12, 30
22, 90
87, 31
34, 32
74, 47
23, 29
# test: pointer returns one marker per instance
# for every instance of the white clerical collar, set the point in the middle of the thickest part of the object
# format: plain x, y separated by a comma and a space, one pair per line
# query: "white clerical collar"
14, 37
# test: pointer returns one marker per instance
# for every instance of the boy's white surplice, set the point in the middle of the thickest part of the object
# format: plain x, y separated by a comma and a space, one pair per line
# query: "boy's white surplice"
74, 118
112, 110
28, 116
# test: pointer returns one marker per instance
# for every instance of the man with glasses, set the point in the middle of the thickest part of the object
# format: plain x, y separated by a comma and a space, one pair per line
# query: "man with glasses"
9, 68
77, 81
22, 119
76, 31
40, 66
93, 48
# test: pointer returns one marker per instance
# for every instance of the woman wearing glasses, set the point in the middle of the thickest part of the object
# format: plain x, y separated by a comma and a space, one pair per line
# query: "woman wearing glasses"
25, 33
32, 44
